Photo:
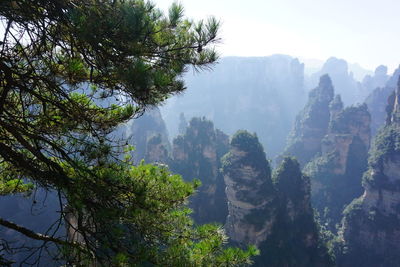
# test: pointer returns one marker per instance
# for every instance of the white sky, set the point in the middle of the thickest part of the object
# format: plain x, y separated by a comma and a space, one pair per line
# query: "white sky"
360, 31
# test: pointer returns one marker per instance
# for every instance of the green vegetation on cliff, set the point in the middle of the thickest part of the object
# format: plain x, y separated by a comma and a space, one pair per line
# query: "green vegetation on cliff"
294, 238
311, 123
197, 154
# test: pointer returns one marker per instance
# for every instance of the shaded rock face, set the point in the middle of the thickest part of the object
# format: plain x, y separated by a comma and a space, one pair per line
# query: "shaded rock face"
249, 190
371, 225
156, 150
336, 174
142, 129
312, 123
196, 154
332, 144
294, 239
273, 214
377, 102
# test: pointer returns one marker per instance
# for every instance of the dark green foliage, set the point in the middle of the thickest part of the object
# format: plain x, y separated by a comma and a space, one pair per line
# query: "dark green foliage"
370, 227
385, 145
337, 190
254, 153
311, 123
294, 239
354, 252
347, 119
71, 72
385, 148
337, 173
202, 147
290, 182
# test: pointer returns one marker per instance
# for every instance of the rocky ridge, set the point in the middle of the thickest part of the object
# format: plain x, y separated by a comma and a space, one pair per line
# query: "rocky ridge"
311, 123
371, 226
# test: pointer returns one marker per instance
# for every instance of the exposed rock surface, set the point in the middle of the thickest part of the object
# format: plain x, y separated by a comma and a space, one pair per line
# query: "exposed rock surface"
370, 232
142, 129
196, 154
249, 190
336, 174
377, 102
274, 215
312, 123
294, 239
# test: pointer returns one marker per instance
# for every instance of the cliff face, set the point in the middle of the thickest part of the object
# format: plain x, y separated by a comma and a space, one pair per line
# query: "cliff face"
156, 150
377, 102
312, 123
274, 214
294, 239
142, 129
196, 154
336, 174
249, 190
371, 226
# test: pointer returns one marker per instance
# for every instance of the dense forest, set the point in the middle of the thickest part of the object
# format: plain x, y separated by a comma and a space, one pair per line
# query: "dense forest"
123, 144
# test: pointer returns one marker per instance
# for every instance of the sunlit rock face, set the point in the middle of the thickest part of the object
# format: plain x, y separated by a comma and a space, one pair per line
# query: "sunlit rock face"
267, 212
249, 190
370, 230
196, 155
331, 142
311, 123
336, 174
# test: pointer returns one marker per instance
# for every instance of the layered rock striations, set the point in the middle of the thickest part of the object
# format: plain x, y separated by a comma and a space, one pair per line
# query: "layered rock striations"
249, 189
336, 174
274, 214
332, 143
294, 239
370, 232
197, 154
311, 123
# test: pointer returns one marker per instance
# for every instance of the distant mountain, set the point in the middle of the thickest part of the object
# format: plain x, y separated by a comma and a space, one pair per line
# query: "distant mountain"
343, 80
382, 86
311, 123
259, 94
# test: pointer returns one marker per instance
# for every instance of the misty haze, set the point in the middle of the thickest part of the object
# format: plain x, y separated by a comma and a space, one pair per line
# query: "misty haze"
160, 133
